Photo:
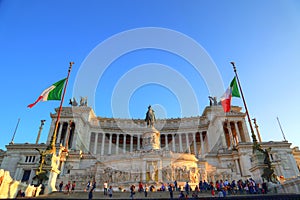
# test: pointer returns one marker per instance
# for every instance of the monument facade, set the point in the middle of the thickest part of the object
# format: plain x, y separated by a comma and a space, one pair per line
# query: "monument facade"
209, 147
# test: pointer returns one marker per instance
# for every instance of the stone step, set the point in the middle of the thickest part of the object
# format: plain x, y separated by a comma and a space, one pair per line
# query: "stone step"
161, 195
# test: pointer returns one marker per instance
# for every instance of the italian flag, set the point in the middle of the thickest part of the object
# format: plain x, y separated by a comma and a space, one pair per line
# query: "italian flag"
231, 91
51, 93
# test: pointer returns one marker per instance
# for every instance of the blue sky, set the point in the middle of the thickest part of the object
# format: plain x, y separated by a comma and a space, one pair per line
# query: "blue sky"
39, 38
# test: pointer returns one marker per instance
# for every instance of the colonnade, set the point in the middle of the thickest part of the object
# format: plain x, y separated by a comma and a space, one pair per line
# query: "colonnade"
114, 143
65, 133
234, 133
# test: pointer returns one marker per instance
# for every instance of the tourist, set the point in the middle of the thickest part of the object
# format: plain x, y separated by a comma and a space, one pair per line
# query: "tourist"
205, 185
196, 189
90, 194
88, 185
61, 186
220, 193
73, 187
175, 185
94, 185
212, 189
132, 191
140, 187
170, 188
146, 190
187, 188
201, 186
110, 191
162, 188
67, 187
264, 188
105, 185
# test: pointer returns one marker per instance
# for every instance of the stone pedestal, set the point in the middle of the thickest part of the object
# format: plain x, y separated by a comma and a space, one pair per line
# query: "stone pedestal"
151, 139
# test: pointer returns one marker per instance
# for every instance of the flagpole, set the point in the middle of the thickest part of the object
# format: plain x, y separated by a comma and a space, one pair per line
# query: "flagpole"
13, 137
53, 138
247, 113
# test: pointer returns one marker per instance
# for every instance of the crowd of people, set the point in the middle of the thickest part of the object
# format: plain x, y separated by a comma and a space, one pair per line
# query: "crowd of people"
220, 188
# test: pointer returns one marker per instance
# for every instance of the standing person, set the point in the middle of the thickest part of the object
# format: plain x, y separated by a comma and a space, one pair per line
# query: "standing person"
94, 185
132, 191
170, 188
187, 188
110, 191
73, 187
68, 187
88, 185
175, 185
105, 185
146, 190
212, 189
91, 194
61, 186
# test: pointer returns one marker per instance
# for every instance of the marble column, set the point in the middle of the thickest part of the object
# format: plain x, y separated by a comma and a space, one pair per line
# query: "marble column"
166, 142
245, 131
117, 144
237, 166
131, 143
195, 143
110, 143
59, 132
202, 144
187, 143
230, 135
96, 143
103, 143
237, 131
124, 143
180, 143
138, 142
173, 143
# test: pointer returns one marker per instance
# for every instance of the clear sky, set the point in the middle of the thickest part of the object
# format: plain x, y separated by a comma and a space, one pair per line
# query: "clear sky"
170, 54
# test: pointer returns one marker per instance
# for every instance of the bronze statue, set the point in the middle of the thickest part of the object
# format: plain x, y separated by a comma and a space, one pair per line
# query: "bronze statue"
150, 117
212, 101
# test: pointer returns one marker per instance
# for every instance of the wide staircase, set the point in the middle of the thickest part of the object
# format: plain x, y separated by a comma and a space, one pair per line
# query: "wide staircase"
163, 195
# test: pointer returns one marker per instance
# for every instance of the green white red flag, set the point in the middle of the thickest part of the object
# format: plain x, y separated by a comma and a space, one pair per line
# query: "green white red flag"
231, 91
51, 93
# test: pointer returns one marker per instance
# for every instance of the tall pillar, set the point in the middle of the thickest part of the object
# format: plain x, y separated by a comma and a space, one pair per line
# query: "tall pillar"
59, 131
117, 144
202, 144
124, 143
173, 143
195, 143
245, 130
131, 143
232, 142
180, 143
103, 143
166, 141
110, 143
138, 142
187, 142
237, 131
237, 166
96, 143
